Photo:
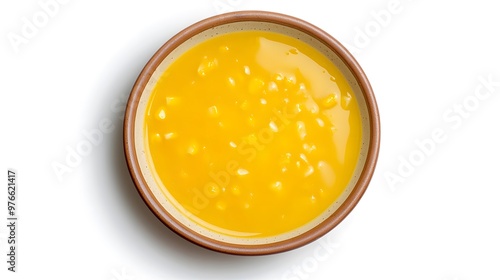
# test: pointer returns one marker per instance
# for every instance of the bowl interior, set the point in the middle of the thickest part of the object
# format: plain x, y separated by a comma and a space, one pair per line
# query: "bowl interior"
180, 219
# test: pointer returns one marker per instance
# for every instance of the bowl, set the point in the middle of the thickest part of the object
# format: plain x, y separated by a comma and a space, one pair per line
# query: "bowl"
181, 220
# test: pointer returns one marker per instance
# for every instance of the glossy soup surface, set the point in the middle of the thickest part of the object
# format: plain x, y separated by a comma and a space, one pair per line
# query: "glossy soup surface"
253, 133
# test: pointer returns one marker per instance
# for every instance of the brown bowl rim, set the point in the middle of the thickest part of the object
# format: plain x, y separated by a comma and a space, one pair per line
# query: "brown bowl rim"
262, 249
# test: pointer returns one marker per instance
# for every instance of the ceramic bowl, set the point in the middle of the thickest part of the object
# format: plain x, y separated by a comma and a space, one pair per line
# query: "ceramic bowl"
178, 221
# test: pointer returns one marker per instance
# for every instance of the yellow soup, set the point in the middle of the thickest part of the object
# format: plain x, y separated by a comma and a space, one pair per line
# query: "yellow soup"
253, 133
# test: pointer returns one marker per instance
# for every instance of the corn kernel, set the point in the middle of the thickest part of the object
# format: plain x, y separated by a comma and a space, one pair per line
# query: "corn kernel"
309, 171
162, 114
206, 66
277, 186
302, 89
272, 87
242, 171
309, 148
329, 101
231, 81
301, 129
298, 108
303, 157
291, 79
273, 126
346, 100
279, 77
213, 111
193, 148
320, 122
170, 135
247, 70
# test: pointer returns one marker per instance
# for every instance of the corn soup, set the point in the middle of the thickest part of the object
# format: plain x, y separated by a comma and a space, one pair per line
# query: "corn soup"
253, 133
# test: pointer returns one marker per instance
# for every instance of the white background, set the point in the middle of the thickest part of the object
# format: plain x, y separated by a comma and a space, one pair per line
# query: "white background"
440, 221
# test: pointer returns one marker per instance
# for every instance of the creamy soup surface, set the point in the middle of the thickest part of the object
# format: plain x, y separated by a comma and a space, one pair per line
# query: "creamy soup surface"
253, 133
